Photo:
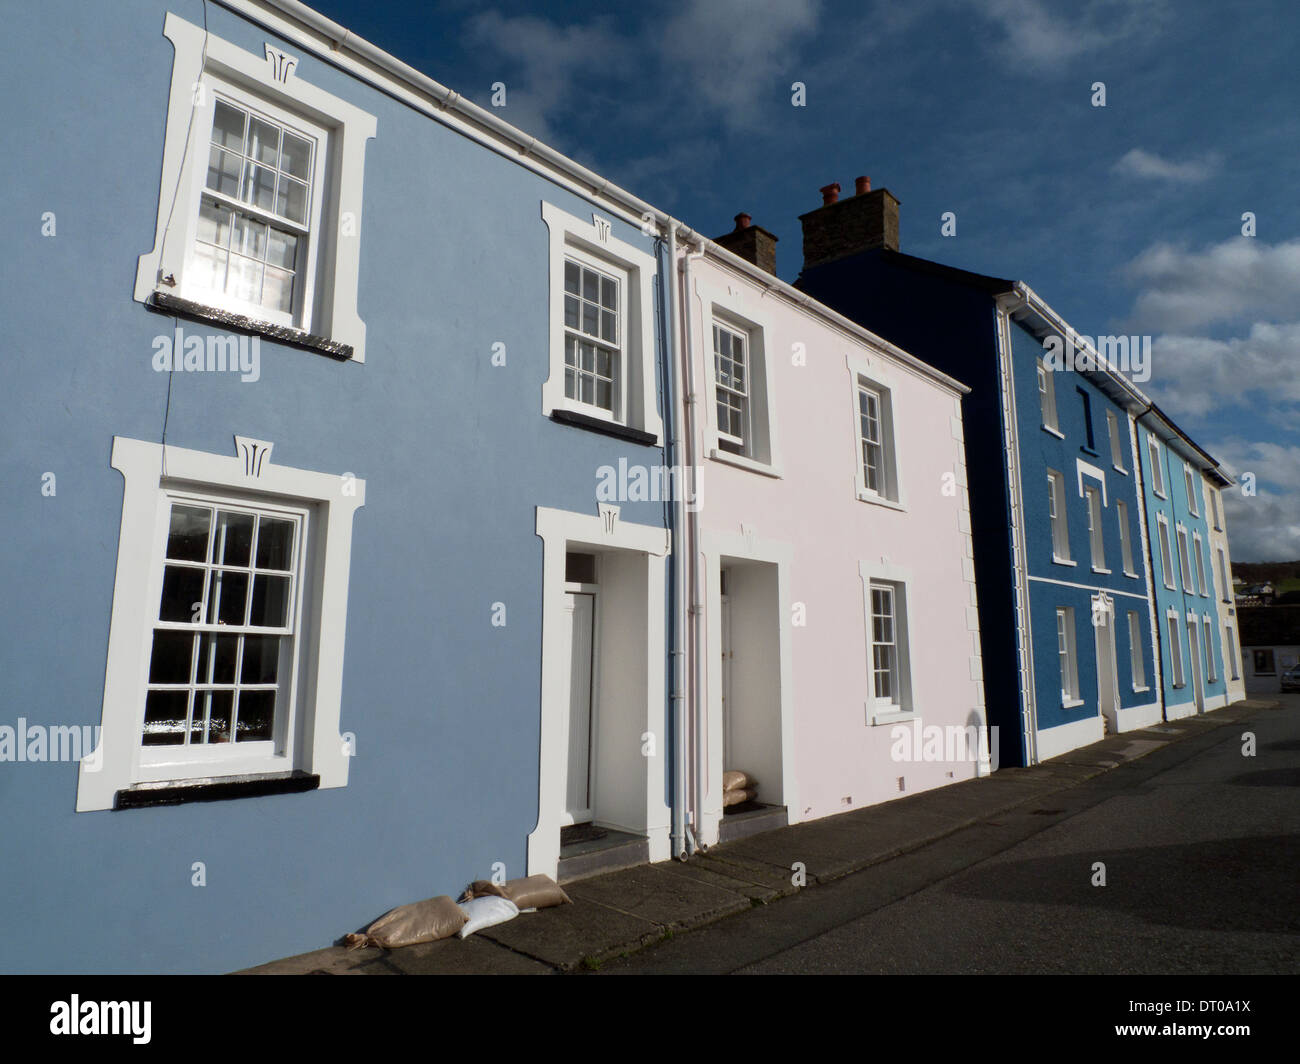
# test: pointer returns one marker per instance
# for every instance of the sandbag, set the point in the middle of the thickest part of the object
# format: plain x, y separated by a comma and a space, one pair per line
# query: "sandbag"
535, 892
486, 912
734, 780
407, 925
483, 888
738, 797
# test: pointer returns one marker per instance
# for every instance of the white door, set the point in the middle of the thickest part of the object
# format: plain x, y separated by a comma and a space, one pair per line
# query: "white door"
580, 609
1103, 616
727, 745
1198, 688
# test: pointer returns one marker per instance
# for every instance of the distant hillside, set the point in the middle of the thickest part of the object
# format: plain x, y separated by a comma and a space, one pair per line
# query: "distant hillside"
1259, 572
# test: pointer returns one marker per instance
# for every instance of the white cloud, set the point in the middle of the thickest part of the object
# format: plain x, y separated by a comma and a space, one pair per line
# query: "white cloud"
738, 56
1262, 528
1196, 375
1037, 37
1240, 279
549, 64
1141, 163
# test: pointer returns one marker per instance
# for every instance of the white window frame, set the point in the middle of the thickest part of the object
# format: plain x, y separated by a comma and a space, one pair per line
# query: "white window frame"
1059, 518
1189, 483
1184, 557
741, 393
1116, 444
1125, 538
571, 237
1166, 552
870, 375
1210, 667
200, 57
739, 308
1230, 650
1175, 635
317, 747
1198, 548
620, 345
1136, 665
1096, 532
902, 705
1213, 494
1067, 653
1226, 594
1157, 469
1047, 400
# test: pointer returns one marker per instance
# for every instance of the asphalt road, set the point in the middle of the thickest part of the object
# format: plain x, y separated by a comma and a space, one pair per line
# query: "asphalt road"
1201, 848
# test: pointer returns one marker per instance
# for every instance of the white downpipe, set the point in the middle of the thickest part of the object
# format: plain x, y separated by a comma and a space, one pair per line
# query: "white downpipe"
690, 408
680, 557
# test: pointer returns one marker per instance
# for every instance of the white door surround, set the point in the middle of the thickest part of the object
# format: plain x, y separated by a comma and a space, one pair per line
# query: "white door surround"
630, 727
1103, 623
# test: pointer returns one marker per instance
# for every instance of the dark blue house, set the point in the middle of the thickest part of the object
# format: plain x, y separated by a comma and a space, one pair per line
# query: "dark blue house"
1057, 518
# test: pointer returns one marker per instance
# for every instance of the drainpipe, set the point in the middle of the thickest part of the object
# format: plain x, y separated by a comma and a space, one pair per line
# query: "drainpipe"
677, 559
690, 407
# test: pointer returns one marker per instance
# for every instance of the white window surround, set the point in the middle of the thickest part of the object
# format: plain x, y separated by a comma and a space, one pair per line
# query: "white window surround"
1059, 518
1166, 551
1212, 671
116, 765
880, 711
1116, 442
875, 375
1189, 483
740, 309
1047, 400
1125, 538
1096, 529
1198, 549
1184, 558
1174, 630
1136, 664
638, 268
1157, 470
334, 315
1067, 648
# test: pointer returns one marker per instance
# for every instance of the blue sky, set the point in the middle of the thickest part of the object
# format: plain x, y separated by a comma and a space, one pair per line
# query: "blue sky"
1125, 218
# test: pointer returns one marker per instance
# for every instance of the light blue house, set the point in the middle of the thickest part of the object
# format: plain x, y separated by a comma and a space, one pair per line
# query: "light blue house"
1056, 507
338, 563
1181, 482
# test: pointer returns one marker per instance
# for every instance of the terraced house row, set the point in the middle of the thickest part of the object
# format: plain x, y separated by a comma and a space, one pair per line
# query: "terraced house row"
393, 499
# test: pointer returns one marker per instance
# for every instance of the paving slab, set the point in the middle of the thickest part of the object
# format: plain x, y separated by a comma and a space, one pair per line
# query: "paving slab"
654, 893
761, 875
727, 877
564, 935
475, 955
332, 960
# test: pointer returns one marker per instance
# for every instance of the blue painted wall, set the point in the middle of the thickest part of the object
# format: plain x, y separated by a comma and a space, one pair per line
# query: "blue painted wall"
1049, 585
455, 452
1174, 506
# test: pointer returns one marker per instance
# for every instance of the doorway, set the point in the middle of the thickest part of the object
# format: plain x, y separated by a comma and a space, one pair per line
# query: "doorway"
1194, 662
1103, 622
580, 609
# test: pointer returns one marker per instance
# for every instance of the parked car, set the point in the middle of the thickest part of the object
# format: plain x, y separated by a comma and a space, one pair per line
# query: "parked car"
1291, 679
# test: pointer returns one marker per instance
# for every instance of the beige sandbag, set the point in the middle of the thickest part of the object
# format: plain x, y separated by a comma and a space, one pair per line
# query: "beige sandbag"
738, 797
407, 925
734, 780
535, 892
483, 888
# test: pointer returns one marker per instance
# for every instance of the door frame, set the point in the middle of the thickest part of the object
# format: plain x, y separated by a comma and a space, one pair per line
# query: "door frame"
593, 695
1106, 645
1195, 664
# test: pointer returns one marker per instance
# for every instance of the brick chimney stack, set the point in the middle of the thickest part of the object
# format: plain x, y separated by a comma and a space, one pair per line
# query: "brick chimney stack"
839, 228
751, 242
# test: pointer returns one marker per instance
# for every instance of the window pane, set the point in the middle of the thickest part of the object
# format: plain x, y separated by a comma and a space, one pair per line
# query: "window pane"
590, 286
277, 290
590, 319
208, 268
259, 186
245, 279
263, 142
219, 704
249, 237
256, 716
227, 597
234, 538
261, 659
170, 661
217, 654
182, 590
295, 156
228, 126
214, 223
223, 172
291, 202
165, 713
188, 538
603, 362
604, 395
607, 327
270, 602
571, 312
572, 277
608, 293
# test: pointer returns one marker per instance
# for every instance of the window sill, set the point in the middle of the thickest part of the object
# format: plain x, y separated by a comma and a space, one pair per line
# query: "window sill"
1141, 690
167, 303
1062, 561
1132, 576
608, 428
1072, 703
1101, 572
878, 717
1089, 451
214, 789
878, 500
1053, 432
1119, 469
1159, 494
741, 462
